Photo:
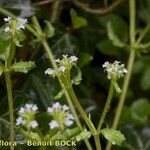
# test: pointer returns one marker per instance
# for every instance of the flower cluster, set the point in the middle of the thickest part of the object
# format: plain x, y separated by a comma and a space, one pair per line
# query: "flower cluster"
61, 116
64, 65
27, 115
13, 25
114, 70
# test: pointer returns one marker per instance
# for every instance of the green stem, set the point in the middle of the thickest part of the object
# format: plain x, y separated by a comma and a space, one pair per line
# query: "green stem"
106, 108
8, 63
48, 50
142, 35
130, 66
51, 58
7, 13
124, 90
55, 10
97, 142
85, 117
10, 105
82, 112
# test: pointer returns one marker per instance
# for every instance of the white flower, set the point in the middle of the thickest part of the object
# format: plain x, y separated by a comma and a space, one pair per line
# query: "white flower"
34, 108
28, 106
57, 60
114, 70
21, 23
73, 58
124, 70
53, 124
65, 107
61, 116
26, 116
62, 68
64, 65
106, 64
14, 24
22, 110
56, 105
7, 29
49, 71
68, 122
65, 56
70, 116
7, 19
50, 110
19, 121
33, 124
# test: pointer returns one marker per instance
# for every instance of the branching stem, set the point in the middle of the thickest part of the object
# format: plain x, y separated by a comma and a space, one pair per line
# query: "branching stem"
129, 68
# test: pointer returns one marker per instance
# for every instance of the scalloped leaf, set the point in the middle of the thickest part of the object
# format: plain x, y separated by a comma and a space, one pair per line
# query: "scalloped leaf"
30, 135
83, 135
23, 67
113, 136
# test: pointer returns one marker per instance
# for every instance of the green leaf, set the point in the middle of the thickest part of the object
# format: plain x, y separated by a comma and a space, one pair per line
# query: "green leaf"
2, 68
23, 67
84, 59
3, 46
4, 36
113, 37
57, 136
138, 66
59, 95
113, 136
126, 116
83, 135
19, 37
144, 13
69, 133
106, 47
117, 88
29, 134
145, 81
77, 79
140, 110
77, 21
119, 25
50, 29
136, 138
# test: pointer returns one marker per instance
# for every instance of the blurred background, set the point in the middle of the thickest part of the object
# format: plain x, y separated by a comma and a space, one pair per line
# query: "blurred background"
84, 34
